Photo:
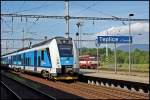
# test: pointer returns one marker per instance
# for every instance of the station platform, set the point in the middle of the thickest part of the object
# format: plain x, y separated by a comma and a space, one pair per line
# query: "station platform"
133, 77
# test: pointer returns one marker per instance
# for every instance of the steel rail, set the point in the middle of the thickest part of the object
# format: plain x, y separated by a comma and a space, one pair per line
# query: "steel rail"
17, 96
44, 94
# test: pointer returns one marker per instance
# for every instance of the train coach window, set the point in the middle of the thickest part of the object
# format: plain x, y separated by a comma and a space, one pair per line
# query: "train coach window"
22, 61
19, 57
42, 55
48, 53
39, 61
28, 61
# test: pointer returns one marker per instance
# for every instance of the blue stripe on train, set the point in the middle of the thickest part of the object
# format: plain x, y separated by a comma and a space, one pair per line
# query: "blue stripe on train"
66, 60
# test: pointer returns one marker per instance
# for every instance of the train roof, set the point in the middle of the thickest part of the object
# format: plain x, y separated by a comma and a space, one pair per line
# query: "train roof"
35, 45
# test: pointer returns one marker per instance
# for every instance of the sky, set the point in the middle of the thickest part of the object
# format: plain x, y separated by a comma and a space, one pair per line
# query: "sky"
39, 28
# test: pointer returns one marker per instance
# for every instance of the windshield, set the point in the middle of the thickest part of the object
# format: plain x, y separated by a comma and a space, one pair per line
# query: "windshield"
65, 50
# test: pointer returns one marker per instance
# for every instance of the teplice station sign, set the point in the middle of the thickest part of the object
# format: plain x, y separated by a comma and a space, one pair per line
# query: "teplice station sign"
114, 39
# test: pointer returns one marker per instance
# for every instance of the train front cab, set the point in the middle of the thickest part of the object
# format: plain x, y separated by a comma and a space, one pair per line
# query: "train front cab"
68, 60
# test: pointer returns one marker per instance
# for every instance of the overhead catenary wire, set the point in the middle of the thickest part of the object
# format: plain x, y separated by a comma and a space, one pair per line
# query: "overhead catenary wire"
91, 8
35, 8
86, 8
108, 15
33, 24
37, 18
72, 17
3, 20
21, 6
101, 12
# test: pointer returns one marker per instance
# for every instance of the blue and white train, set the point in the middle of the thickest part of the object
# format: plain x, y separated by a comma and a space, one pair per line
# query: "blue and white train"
56, 58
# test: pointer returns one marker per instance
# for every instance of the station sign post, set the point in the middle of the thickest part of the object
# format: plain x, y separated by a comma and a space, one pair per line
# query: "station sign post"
114, 39
97, 45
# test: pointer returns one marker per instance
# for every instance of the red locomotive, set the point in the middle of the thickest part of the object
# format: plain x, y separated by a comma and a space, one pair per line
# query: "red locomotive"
88, 62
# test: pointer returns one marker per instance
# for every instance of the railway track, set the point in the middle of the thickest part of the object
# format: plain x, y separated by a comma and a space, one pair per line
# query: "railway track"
7, 93
89, 91
124, 94
105, 91
22, 91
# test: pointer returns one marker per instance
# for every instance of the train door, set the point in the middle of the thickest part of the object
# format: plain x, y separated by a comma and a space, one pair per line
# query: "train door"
39, 61
35, 60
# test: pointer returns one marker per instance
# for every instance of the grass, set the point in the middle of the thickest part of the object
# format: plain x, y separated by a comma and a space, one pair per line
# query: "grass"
25, 81
124, 67
17, 78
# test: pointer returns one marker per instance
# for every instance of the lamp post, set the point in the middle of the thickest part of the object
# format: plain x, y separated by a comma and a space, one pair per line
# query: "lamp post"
130, 42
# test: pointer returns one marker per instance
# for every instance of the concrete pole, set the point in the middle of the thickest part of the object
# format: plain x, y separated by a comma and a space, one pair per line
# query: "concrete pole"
80, 39
77, 39
115, 59
6, 47
67, 18
130, 43
23, 38
79, 36
12, 25
107, 50
13, 44
129, 49
97, 58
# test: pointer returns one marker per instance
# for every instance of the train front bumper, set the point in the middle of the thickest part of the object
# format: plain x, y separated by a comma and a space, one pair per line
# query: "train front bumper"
65, 78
